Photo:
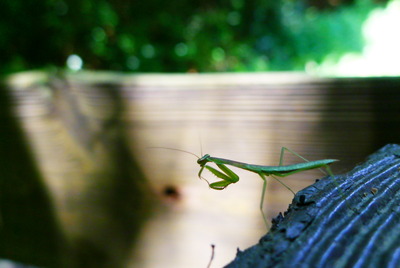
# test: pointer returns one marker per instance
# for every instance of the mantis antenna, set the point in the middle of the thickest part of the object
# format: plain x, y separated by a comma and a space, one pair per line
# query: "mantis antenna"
173, 149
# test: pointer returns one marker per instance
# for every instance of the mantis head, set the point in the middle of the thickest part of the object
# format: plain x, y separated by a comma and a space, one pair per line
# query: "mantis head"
203, 160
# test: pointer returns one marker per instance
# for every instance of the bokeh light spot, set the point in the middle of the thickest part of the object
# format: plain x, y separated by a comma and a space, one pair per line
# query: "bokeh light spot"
74, 62
181, 49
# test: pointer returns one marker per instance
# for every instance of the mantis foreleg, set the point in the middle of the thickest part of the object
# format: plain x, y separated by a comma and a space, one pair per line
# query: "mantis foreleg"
227, 177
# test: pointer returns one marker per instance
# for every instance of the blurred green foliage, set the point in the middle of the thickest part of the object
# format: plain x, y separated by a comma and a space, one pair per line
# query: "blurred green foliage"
179, 36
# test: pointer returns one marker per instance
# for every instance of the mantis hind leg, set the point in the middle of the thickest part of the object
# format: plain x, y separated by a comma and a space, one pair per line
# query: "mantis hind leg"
284, 184
283, 149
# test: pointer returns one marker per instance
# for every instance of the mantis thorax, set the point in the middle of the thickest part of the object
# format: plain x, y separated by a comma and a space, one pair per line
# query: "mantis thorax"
203, 160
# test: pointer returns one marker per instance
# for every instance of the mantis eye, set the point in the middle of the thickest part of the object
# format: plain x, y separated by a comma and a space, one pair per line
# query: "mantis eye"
203, 160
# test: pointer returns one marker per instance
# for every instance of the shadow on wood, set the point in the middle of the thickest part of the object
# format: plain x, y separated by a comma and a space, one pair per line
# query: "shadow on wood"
351, 221
71, 191
29, 230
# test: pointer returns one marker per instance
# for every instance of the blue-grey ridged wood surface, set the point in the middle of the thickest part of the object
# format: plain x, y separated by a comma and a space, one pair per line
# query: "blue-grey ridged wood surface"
355, 225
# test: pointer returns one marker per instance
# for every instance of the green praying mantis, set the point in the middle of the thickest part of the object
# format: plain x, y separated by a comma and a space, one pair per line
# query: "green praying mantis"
228, 177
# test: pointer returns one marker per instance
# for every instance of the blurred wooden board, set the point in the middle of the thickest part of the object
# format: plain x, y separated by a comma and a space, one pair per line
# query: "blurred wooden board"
244, 117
